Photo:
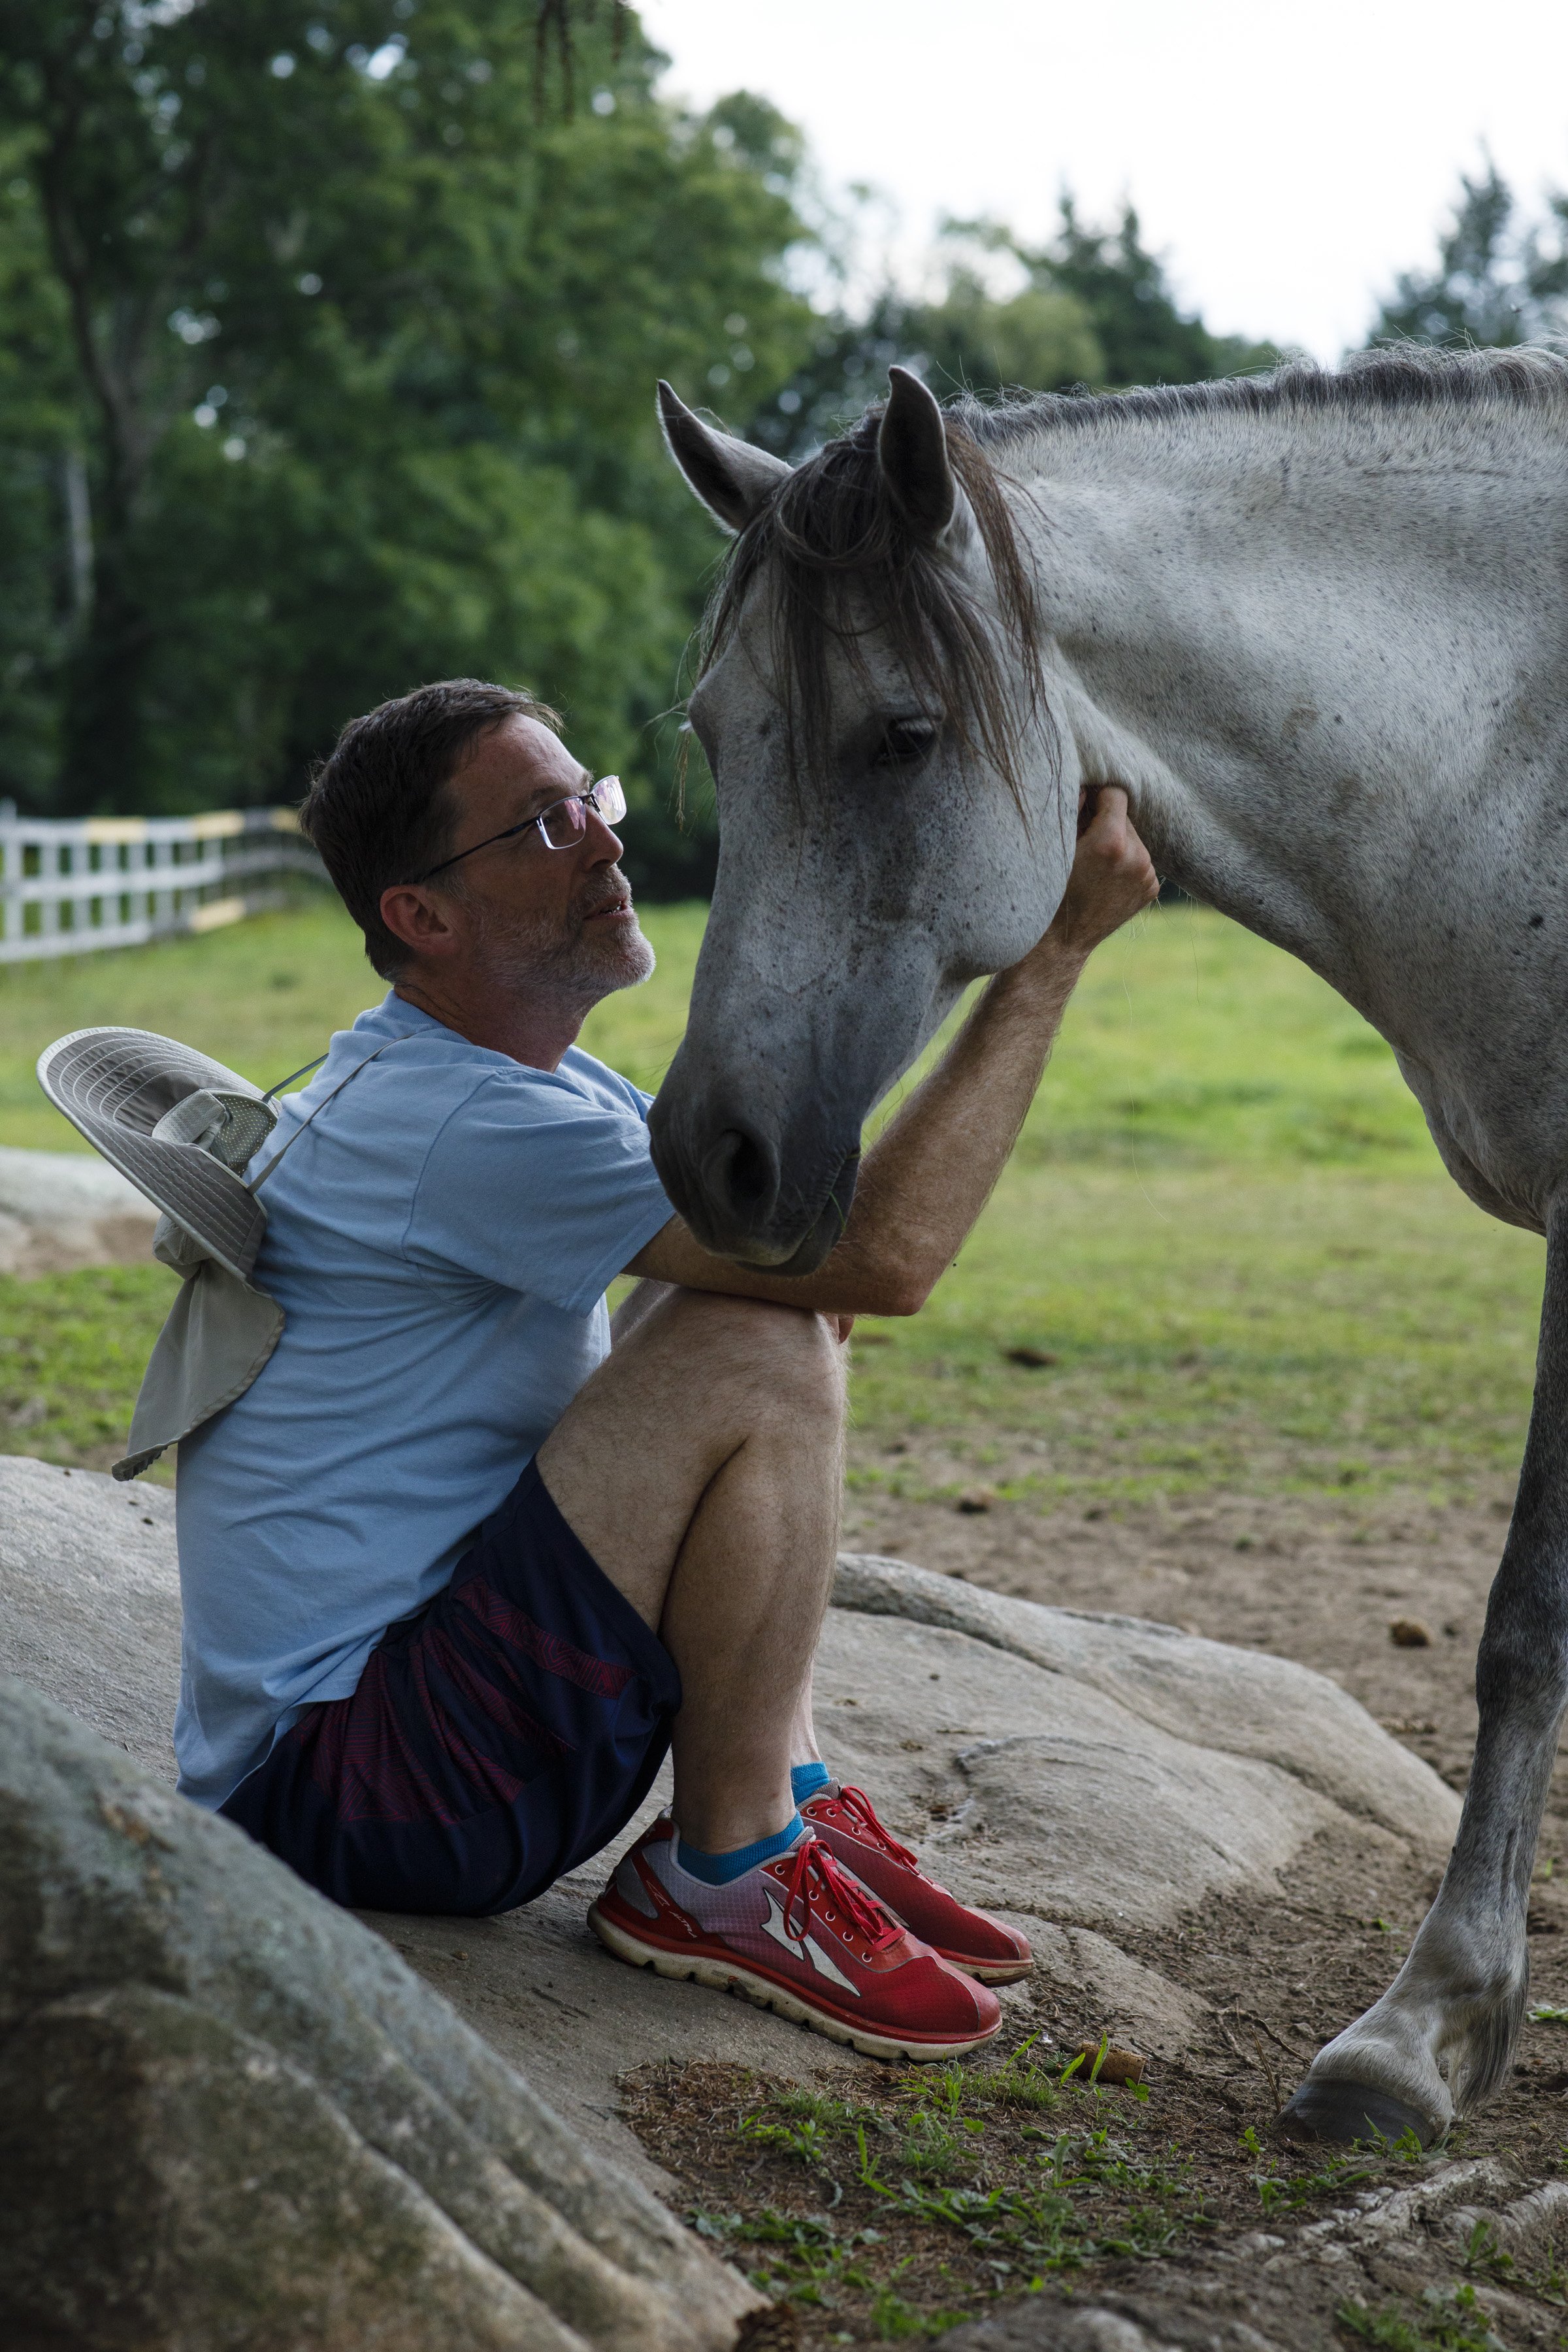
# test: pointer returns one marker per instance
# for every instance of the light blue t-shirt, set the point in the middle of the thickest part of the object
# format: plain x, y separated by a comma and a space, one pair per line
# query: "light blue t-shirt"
439, 1240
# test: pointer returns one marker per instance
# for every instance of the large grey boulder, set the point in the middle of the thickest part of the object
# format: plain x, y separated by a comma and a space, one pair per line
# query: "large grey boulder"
1093, 1778
90, 1600
1239, 1703
231, 2116
65, 1209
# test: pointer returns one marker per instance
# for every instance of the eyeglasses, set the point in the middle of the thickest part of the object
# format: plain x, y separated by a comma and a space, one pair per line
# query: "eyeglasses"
561, 826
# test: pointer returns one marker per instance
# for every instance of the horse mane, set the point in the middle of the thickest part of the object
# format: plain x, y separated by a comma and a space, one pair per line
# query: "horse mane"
1404, 376
844, 566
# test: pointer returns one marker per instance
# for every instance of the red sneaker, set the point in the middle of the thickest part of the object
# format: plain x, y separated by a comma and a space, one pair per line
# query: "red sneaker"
965, 1938
797, 1934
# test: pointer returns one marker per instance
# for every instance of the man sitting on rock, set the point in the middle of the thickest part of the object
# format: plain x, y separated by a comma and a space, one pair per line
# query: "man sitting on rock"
456, 1573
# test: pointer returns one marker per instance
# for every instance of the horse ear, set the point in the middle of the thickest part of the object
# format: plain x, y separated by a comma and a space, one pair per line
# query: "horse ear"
912, 448
732, 479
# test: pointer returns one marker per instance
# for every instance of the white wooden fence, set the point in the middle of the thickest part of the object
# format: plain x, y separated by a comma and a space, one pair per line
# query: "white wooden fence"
69, 886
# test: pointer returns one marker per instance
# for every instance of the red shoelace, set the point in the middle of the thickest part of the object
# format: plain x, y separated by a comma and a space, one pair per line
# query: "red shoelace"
859, 1808
811, 1859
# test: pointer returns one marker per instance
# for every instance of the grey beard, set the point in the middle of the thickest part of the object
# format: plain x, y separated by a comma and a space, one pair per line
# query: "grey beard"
536, 962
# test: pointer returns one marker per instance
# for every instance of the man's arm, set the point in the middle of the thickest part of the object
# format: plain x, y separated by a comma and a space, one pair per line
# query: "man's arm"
932, 1171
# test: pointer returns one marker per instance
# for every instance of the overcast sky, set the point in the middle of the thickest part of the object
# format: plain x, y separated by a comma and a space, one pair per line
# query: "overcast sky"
1286, 159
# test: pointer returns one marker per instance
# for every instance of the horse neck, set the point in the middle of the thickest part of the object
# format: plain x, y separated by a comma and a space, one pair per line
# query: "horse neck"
1299, 636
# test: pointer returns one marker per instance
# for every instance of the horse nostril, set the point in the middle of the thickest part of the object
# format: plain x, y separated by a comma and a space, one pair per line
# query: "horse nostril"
742, 1173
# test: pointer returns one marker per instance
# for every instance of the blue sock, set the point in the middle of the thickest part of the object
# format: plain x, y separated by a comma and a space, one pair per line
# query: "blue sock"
805, 1780
719, 1869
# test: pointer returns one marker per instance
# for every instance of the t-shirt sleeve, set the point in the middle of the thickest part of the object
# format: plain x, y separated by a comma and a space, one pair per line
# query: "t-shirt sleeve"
539, 1190
600, 1079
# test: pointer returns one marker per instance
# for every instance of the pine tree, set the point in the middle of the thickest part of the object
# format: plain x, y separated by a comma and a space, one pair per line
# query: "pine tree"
1497, 283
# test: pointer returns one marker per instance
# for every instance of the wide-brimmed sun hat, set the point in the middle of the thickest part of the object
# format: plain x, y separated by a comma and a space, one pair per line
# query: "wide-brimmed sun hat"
178, 1124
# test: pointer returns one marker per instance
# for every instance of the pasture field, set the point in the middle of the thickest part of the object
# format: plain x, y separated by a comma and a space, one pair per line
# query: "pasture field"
1225, 1227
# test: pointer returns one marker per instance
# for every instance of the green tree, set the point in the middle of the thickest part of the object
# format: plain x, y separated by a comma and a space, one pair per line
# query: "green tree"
844, 368
1095, 309
45, 583
1041, 339
1496, 282
1146, 338
354, 346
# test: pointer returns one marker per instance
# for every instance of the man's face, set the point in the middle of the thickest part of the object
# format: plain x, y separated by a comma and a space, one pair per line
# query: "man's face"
537, 917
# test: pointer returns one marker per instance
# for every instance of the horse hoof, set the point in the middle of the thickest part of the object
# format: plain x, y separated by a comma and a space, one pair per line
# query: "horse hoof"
1348, 2111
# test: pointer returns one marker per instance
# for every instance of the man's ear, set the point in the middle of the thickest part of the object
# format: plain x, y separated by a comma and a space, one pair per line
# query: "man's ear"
412, 915
732, 479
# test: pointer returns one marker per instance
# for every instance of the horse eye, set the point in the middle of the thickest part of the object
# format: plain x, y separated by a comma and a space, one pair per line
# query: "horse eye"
905, 741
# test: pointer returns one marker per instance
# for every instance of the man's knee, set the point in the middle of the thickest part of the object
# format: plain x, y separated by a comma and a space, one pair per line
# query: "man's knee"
788, 1359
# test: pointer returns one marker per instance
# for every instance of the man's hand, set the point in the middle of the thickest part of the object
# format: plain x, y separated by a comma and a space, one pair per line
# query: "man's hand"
1112, 877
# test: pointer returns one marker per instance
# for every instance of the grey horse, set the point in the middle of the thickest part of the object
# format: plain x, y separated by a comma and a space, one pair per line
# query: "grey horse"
1318, 625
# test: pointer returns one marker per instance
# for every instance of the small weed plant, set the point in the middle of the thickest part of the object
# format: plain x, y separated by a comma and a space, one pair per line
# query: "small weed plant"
1443, 2322
806, 2260
1034, 2167
1362, 2163
889, 2216
1483, 2255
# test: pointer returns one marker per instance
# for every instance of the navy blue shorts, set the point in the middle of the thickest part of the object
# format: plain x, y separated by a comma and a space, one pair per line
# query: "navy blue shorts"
496, 1739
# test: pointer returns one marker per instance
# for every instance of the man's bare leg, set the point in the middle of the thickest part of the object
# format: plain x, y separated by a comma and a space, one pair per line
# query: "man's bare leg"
701, 1466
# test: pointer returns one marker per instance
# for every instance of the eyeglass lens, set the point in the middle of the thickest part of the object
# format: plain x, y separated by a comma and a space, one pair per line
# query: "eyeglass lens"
565, 822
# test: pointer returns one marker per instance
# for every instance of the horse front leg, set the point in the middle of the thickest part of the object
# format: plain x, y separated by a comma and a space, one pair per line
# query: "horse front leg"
1440, 2040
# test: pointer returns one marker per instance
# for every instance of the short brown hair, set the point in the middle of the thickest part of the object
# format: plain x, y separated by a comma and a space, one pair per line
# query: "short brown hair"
377, 809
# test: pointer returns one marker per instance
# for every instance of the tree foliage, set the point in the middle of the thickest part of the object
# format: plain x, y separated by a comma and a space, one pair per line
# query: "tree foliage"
1091, 309
1498, 282
328, 337
341, 355
1121, 290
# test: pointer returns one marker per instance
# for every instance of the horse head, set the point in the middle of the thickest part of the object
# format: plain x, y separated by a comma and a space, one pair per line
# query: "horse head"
896, 815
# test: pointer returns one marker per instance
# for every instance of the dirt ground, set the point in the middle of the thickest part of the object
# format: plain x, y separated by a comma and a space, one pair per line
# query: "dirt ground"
1321, 1581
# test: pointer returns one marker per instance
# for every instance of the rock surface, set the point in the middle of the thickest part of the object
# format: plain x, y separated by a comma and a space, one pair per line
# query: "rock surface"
1094, 1777
231, 2114
90, 1600
1242, 1703
65, 1209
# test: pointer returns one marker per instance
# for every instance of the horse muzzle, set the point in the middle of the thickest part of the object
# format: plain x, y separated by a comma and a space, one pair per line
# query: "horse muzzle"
743, 1195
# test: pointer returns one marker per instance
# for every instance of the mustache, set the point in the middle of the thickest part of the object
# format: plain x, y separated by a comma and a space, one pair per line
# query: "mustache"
611, 890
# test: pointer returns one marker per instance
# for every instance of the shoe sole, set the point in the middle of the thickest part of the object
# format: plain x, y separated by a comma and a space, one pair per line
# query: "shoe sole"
987, 1972
729, 1976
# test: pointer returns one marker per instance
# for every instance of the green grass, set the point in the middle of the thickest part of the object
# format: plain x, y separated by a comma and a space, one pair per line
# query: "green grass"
1033, 2178
1442, 2323
1252, 1329
966, 2182
1227, 1224
1225, 1221
72, 1352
